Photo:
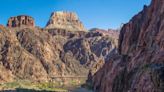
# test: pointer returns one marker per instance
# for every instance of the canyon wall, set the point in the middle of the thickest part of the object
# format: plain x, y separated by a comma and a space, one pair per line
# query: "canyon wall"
139, 65
40, 54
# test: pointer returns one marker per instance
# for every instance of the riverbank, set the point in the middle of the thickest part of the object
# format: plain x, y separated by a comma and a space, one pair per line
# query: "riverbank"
26, 86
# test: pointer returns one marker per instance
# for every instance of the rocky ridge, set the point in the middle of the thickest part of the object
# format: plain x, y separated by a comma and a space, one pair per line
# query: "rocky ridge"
139, 65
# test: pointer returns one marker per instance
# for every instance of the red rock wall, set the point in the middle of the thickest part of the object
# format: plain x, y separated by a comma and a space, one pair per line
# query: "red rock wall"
139, 65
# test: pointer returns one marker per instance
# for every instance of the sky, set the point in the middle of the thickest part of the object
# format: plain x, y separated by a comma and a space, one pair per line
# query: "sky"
93, 13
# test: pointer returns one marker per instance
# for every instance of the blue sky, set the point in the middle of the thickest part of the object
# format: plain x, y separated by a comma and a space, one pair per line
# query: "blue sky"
93, 13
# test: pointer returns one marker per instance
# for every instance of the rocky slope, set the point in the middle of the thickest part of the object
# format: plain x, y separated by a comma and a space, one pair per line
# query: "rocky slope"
139, 65
32, 53
65, 20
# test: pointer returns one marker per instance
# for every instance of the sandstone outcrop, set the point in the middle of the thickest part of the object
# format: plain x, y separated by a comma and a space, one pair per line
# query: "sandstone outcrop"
65, 20
139, 65
22, 20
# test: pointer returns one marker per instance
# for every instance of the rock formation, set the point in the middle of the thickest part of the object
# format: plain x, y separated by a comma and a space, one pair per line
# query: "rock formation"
21, 20
65, 20
35, 54
139, 65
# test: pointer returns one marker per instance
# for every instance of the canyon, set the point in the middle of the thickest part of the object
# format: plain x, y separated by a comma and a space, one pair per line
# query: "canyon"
65, 52
62, 52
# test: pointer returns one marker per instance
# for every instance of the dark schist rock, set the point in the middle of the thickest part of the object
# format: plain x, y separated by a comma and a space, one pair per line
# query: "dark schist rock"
22, 20
138, 67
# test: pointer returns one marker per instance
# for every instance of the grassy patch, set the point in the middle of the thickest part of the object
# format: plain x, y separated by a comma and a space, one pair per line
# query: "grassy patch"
29, 86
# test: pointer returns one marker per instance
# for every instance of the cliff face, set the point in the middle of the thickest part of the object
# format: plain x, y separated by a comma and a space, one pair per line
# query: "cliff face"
65, 20
139, 65
21, 20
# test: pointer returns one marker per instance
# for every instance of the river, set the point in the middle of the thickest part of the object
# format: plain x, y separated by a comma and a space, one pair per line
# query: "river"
80, 90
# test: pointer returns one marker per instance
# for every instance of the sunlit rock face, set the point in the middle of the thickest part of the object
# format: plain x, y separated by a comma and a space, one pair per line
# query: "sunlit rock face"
22, 20
65, 20
139, 65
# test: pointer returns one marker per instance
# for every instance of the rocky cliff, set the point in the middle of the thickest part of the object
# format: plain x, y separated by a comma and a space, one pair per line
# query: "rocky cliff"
139, 65
21, 20
35, 54
65, 20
